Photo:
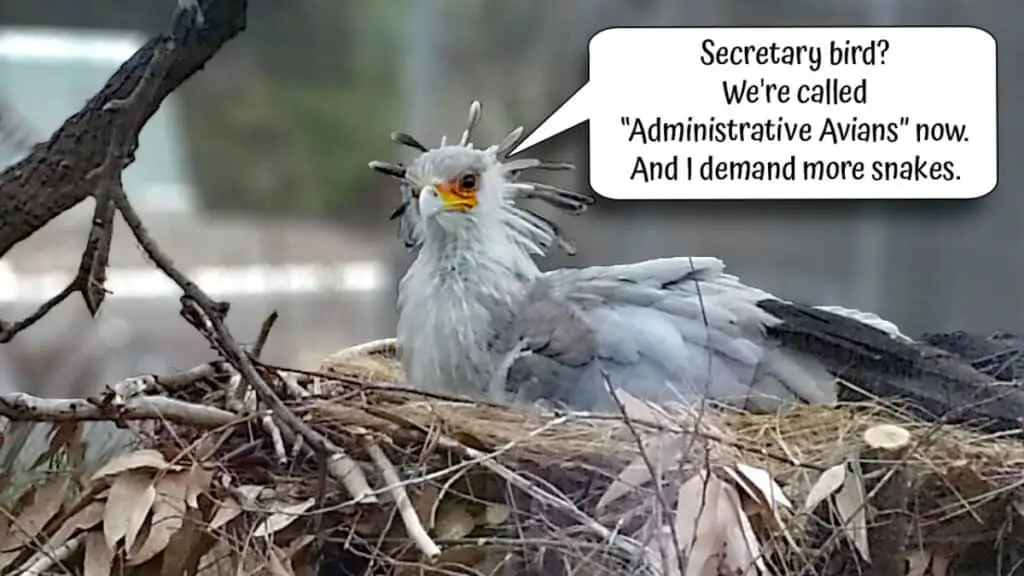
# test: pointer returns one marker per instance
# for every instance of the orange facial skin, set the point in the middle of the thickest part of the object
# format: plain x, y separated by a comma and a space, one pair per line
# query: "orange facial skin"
459, 193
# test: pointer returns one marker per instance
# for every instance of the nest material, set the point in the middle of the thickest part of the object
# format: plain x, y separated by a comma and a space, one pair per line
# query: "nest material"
416, 484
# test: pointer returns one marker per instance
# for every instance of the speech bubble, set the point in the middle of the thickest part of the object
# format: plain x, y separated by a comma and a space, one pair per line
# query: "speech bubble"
787, 113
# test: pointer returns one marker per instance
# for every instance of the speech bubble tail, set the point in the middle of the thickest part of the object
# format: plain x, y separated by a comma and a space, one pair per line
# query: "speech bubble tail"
570, 114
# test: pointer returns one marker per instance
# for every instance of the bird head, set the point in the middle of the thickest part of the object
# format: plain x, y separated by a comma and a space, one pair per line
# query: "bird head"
458, 185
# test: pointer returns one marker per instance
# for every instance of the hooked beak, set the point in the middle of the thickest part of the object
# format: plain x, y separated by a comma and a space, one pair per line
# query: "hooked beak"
441, 198
430, 202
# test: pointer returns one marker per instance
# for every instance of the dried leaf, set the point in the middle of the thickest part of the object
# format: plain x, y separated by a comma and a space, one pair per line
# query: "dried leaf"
76, 456
45, 503
742, 547
146, 458
228, 510
131, 497
918, 562
940, 564
637, 409
278, 563
99, 558
61, 434
210, 443
175, 487
685, 521
663, 548
252, 493
828, 483
199, 481
15, 436
160, 533
296, 545
281, 515
659, 450
85, 519
850, 505
453, 520
700, 512
9, 556
771, 493
496, 514
168, 516
760, 501
186, 547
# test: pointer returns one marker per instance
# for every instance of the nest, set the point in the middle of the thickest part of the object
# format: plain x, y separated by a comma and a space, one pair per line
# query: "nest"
355, 474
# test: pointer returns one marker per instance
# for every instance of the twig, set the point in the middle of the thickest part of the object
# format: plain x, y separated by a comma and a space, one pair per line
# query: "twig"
23, 407
241, 388
92, 269
9, 330
44, 562
275, 438
291, 385
232, 402
106, 182
454, 470
145, 384
542, 496
373, 347
210, 322
656, 474
261, 340
211, 313
401, 498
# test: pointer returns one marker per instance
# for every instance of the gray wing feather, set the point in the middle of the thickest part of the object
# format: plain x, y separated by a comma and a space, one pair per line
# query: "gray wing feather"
668, 329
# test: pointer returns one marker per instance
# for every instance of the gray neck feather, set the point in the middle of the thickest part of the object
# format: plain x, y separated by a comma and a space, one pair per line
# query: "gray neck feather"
467, 278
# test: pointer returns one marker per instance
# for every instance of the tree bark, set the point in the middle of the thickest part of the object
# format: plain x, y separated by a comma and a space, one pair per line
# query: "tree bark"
49, 181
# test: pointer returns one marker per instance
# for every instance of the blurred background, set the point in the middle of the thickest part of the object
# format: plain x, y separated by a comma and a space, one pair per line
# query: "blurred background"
253, 175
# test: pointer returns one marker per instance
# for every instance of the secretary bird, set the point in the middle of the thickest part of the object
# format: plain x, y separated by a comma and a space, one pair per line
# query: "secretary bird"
478, 318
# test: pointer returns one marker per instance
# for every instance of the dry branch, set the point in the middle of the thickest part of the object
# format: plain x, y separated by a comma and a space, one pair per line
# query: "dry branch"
91, 150
27, 408
48, 181
887, 447
86, 155
207, 316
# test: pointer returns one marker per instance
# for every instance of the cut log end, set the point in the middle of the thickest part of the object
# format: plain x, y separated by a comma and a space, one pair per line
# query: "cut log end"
887, 437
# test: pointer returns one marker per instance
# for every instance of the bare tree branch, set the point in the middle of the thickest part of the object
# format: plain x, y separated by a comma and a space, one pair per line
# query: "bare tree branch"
49, 181
86, 158
28, 408
87, 155
207, 316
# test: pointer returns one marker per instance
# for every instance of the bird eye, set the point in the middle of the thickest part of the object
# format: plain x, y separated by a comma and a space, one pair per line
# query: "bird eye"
468, 182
